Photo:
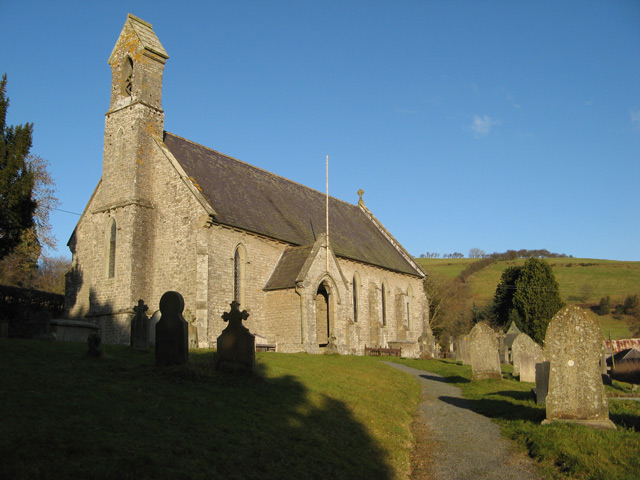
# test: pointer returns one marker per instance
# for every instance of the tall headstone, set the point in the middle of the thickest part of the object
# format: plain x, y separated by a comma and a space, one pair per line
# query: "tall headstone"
511, 335
542, 382
140, 328
462, 349
427, 342
573, 346
501, 347
236, 345
193, 330
526, 353
172, 331
483, 352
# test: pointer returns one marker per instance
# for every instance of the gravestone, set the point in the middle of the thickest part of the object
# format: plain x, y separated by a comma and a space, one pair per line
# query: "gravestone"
236, 345
511, 335
542, 382
526, 354
501, 347
93, 342
140, 328
462, 350
573, 346
153, 321
172, 332
193, 330
483, 353
427, 343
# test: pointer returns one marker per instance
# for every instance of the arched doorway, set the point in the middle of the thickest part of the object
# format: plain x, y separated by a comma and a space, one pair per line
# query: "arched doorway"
323, 330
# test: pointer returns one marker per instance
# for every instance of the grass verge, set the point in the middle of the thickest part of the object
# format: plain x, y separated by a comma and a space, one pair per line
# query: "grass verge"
562, 451
303, 416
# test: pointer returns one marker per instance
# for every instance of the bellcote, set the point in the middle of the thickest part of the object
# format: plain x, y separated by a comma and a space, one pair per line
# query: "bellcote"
137, 64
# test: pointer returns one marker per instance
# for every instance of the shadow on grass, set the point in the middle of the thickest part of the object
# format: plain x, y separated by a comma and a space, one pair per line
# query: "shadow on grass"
124, 419
502, 409
449, 379
515, 394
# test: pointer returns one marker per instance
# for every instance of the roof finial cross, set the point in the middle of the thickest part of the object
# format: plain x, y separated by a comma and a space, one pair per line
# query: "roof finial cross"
360, 193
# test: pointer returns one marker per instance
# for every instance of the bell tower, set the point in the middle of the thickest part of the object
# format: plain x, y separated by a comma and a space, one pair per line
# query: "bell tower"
123, 209
135, 113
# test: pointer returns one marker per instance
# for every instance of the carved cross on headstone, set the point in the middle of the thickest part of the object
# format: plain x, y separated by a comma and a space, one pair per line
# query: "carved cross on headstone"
235, 316
140, 328
141, 307
236, 345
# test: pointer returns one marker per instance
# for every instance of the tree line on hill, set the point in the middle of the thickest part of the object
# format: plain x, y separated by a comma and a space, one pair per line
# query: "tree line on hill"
527, 295
508, 255
27, 196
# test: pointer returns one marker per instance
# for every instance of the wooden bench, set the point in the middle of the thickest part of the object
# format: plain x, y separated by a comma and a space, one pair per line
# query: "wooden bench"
264, 347
382, 352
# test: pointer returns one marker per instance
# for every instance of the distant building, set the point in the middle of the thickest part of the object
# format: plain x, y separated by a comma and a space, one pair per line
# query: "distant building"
169, 214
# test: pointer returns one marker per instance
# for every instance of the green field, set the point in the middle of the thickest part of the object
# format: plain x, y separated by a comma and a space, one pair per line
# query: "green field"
582, 282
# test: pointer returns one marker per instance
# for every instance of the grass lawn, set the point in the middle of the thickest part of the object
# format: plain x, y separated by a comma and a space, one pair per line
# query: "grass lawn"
303, 416
562, 451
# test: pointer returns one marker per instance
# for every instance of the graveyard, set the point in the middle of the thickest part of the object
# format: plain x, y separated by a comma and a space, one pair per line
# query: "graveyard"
70, 415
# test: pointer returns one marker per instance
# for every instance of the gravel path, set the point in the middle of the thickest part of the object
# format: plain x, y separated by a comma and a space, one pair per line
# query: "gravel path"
457, 443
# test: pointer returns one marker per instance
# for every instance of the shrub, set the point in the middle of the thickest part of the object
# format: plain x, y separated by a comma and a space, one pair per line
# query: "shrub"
604, 307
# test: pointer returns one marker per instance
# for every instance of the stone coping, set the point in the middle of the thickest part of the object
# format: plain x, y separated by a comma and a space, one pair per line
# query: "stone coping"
65, 322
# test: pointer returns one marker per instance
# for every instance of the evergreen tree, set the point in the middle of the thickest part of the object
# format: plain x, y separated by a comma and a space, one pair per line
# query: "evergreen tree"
16, 179
503, 298
536, 298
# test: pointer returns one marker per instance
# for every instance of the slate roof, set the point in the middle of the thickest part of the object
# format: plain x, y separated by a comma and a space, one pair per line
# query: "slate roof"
147, 37
288, 268
252, 199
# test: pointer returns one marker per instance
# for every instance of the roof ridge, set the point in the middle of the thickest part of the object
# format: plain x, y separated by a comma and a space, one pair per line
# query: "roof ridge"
260, 169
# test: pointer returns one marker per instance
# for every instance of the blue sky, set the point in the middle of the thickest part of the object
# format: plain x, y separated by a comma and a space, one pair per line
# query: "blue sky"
494, 125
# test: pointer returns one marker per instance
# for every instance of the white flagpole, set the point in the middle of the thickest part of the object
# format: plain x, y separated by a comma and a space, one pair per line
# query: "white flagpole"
327, 211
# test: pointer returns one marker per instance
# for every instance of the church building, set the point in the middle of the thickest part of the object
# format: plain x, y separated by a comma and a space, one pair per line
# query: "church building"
169, 214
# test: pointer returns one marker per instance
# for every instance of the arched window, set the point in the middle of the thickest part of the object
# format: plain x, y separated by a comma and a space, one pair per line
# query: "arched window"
239, 262
408, 299
355, 297
384, 304
127, 74
111, 248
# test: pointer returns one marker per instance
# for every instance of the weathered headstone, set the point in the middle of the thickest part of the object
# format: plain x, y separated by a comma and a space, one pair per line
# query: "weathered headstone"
236, 345
172, 331
193, 330
511, 335
462, 349
526, 354
501, 347
427, 343
140, 328
573, 346
93, 342
153, 321
542, 382
483, 352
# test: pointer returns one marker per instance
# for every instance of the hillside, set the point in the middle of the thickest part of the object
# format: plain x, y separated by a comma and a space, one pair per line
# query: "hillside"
582, 282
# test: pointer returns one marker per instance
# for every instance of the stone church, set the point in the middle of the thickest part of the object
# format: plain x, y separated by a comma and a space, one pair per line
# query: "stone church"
169, 214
